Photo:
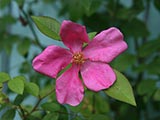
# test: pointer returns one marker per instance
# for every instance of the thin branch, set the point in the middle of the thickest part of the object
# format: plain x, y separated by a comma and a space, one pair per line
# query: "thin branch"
37, 104
40, 99
137, 45
48, 94
146, 17
29, 21
22, 111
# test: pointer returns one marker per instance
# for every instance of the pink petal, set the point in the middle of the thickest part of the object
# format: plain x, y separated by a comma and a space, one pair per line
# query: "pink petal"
73, 35
52, 60
97, 75
105, 46
69, 88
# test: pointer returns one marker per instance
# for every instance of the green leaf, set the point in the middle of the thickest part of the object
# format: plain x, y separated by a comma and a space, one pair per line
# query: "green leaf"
149, 47
32, 117
32, 88
139, 28
4, 77
25, 67
126, 13
4, 3
20, 2
1, 86
91, 6
121, 89
19, 98
74, 8
51, 116
23, 46
48, 26
123, 61
52, 107
146, 87
3, 98
138, 6
153, 67
46, 89
91, 35
157, 95
17, 84
99, 117
7, 41
9, 115
140, 68
103, 105
5, 21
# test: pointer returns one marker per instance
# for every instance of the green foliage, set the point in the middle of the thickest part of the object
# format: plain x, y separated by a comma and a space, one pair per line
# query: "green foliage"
32, 88
145, 50
5, 21
90, 6
157, 95
1, 86
48, 26
17, 84
91, 35
19, 98
4, 3
3, 98
9, 115
76, 9
23, 46
121, 89
124, 61
4, 77
135, 27
102, 106
50, 106
51, 116
20, 2
157, 4
146, 87
153, 67
35, 97
99, 117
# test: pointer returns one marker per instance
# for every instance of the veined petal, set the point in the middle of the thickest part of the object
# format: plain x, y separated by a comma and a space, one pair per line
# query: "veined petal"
105, 46
52, 60
69, 88
97, 75
73, 35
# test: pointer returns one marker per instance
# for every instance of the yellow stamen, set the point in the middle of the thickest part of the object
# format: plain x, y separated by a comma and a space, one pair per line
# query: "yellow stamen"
78, 58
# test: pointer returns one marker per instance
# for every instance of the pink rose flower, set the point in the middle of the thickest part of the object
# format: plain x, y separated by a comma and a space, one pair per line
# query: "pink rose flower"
91, 61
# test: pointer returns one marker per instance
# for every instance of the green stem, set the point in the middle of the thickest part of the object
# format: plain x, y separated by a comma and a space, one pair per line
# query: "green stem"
141, 60
22, 111
93, 104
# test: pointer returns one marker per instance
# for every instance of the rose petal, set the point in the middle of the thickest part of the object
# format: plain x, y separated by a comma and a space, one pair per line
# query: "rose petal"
105, 46
73, 35
69, 88
97, 75
52, 60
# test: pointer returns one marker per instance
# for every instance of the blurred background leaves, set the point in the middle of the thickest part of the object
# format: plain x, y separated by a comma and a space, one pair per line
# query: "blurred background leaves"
20, 41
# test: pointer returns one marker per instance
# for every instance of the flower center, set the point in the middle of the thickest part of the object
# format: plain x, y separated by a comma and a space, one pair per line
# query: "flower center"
78, 58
